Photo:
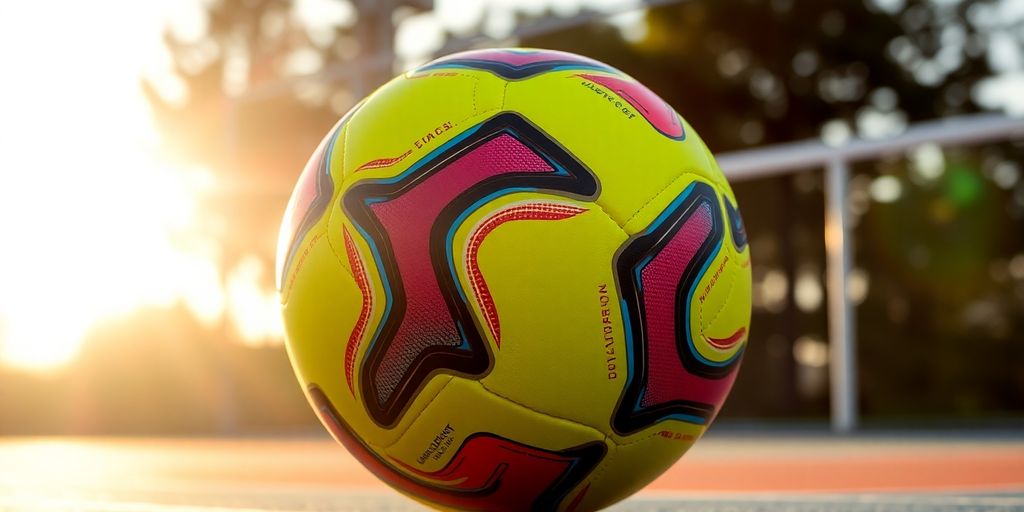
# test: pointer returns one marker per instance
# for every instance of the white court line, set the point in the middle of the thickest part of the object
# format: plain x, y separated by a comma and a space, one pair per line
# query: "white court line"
391, 502
953, 497
942, 490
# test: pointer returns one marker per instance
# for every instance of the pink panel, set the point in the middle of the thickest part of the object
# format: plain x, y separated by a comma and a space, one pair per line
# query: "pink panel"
667, 380
408, 219
650, 105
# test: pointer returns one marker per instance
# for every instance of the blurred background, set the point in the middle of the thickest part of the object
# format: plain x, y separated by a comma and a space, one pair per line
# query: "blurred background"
147, 150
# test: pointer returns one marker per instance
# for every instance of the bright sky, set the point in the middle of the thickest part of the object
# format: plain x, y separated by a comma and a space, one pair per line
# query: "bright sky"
94, 222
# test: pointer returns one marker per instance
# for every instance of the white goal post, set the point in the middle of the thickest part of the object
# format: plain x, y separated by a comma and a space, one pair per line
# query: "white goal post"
835, 160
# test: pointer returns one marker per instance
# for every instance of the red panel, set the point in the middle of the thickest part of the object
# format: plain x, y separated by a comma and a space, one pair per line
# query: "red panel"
487, 473
356, 337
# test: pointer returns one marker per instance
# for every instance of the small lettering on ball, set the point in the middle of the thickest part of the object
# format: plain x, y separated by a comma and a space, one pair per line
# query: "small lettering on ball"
604, 300
439, 445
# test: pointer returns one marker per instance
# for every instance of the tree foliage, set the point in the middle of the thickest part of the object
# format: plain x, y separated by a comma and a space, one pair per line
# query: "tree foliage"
744, 73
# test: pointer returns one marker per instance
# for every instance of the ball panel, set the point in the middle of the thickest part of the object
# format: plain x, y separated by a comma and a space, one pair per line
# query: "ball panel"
353, 247
632, 159
721, 303
670, 262
648, 105
715, 173
514, 64
469, 441
414, 114
737, 230
478, 227
320, 318
632, 464
545, 268
721, 308
406, 221
310, 201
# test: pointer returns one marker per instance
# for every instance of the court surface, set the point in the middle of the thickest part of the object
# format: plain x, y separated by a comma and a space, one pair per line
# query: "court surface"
734, 471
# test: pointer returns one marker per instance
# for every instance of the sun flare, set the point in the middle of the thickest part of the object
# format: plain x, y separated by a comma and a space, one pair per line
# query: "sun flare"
95, 221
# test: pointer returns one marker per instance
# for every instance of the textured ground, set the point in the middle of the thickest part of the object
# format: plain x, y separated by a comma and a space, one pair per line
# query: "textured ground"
726, 472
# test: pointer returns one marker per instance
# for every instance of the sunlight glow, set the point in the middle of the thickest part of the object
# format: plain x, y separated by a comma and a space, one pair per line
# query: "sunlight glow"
254, 310
95, 221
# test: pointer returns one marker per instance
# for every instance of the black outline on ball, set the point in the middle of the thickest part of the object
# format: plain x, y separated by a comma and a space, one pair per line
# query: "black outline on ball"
476, 360
585, 457
630, 416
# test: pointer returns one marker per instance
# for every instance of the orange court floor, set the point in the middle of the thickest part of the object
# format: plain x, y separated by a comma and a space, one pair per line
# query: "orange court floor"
313, 473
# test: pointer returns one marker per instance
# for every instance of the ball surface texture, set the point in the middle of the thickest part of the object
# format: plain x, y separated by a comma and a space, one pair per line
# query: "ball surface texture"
514, 280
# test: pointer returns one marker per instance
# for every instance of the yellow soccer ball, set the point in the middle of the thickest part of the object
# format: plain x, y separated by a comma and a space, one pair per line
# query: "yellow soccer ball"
514, 279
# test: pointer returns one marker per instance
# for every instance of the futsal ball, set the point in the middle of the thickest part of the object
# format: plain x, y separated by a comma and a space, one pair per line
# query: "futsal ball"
514, 280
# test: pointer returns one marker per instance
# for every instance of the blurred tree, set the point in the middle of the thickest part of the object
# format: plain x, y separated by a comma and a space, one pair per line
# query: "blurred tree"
745, 73
775, 71
253, 109
254, 143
